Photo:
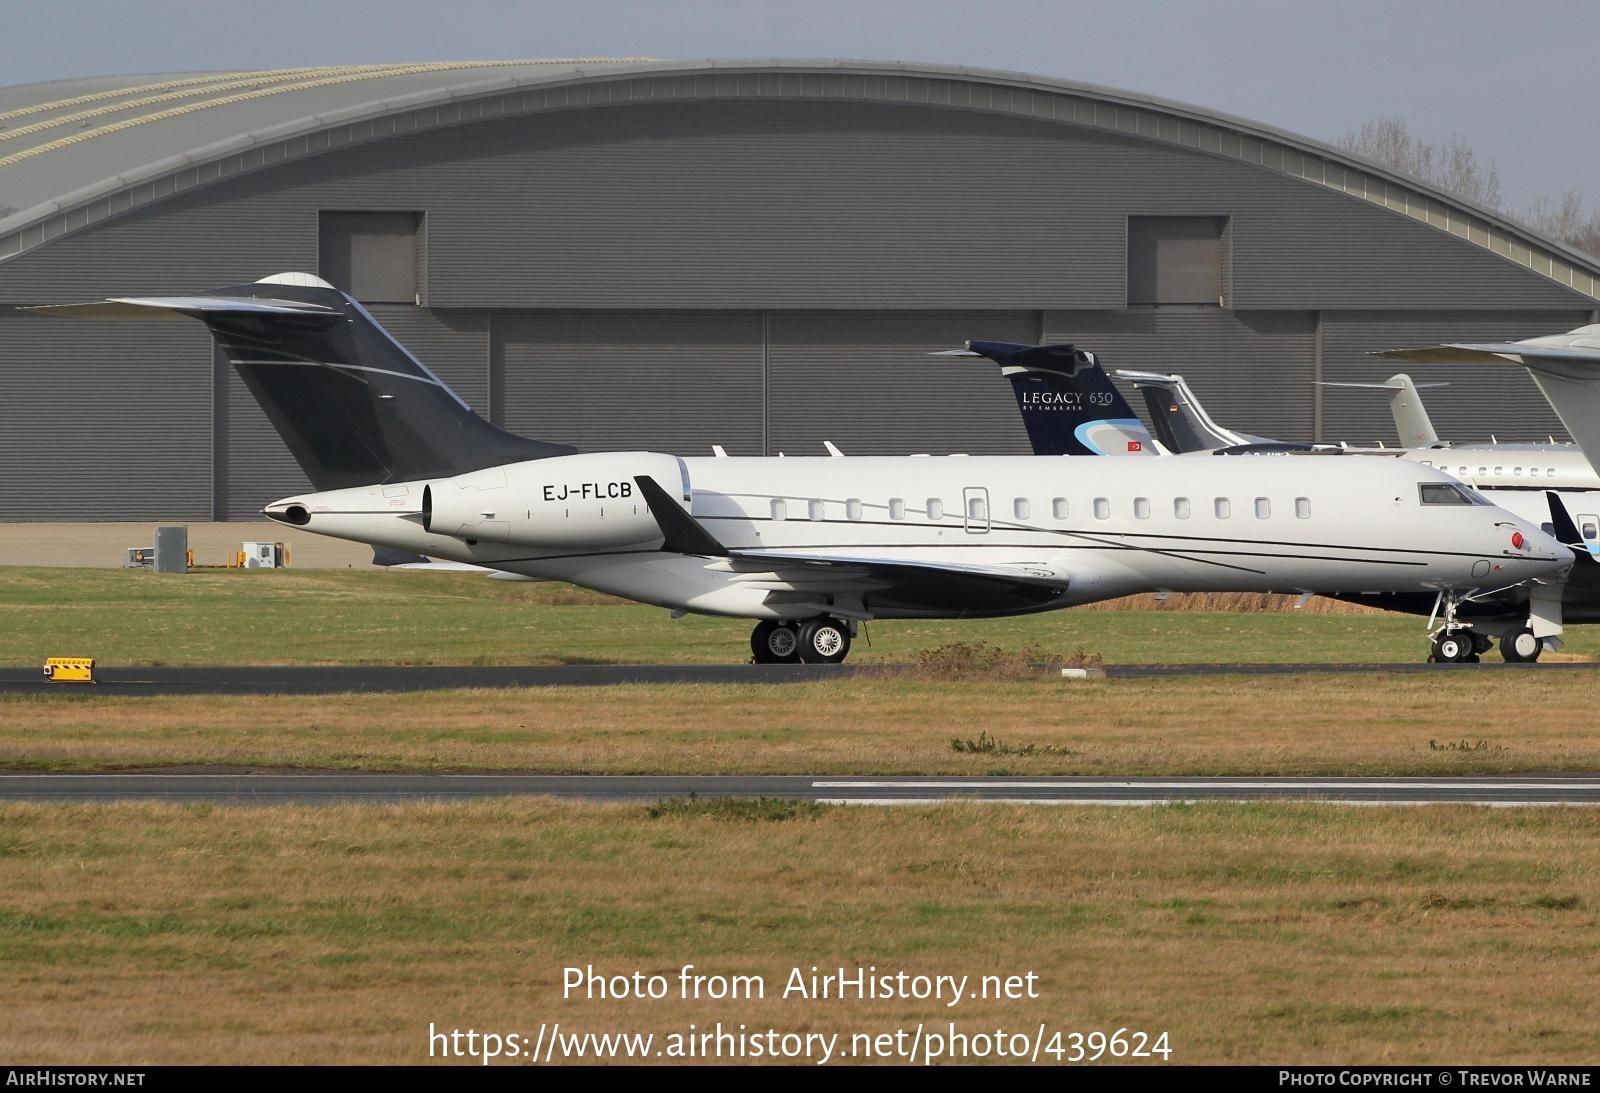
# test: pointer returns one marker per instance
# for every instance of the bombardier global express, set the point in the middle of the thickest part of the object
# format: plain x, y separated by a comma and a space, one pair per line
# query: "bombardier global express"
810, 548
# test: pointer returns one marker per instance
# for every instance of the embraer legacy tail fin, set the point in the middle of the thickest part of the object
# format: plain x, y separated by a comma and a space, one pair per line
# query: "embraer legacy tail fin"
1068, 403
351, 403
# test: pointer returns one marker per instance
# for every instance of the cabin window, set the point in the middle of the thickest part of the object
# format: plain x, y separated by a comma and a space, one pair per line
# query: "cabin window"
1549, 472
935, 509
897, 508
818, 512
1499, 470
1302, 507
1021, 509
1590, 530
780, 509
1443, 493
1141, 508
1102, 508
1263, 509
1181, 508
1516, 472
1483, 472
977, 508
1462, 473
1058, 508
852, 508
1223, 508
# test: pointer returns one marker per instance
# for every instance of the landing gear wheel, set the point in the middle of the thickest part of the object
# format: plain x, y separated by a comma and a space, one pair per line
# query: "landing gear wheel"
1521, 646
1454, 647
775, 643
824, 641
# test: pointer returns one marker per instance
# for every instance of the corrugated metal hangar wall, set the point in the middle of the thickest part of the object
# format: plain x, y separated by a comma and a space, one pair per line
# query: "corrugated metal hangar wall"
763, 275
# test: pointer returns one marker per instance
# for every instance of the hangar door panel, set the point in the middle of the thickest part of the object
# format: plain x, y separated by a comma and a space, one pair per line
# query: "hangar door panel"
1480, 400
1253, 371
454, 344
618, 380
865, 381
104, 420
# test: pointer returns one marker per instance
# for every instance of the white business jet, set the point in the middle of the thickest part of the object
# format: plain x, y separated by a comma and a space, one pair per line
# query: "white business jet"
810, 547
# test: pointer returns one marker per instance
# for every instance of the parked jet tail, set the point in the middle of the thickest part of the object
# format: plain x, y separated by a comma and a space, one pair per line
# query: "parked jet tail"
1069, 405
1180, 422
1565, 366
351, 403
1411, 419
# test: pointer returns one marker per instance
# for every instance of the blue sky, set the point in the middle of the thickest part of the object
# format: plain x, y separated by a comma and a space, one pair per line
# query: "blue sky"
1515, 80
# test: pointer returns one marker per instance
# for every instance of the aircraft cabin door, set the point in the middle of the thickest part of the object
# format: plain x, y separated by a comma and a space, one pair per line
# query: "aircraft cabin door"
975, 509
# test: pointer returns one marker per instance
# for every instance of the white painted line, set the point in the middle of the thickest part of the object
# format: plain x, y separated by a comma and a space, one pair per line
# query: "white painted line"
1156, 802
1204, 783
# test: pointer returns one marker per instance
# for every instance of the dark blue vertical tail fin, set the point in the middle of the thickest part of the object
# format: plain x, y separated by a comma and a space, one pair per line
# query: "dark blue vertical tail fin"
1068, 403
354, 407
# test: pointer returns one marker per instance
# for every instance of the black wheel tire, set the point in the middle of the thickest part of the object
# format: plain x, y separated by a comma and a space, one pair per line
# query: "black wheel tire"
824, 641
1453, 647
1521, 646
775, 643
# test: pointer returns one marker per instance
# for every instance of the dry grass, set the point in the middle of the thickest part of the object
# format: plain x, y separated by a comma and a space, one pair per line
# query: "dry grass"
136, 934
1315, 724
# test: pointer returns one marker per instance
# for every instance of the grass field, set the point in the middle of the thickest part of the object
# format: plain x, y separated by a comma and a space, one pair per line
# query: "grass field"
377, 617
137, 934
901, 721
1317, 724
166, 934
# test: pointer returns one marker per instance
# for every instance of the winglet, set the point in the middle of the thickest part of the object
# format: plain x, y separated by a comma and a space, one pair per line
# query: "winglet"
682, 533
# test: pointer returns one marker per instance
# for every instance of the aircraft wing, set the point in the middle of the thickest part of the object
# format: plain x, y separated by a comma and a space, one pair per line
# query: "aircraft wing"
811, 578
805, 577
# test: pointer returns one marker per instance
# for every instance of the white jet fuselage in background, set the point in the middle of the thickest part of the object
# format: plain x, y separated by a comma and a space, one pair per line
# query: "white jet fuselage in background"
1084, 530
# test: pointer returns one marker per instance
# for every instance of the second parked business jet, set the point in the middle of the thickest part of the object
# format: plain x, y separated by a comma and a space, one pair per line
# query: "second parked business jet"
809, 547
1060, 404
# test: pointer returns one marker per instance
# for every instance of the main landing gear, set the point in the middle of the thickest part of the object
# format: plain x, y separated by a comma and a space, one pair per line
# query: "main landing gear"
1458, 643
814, 641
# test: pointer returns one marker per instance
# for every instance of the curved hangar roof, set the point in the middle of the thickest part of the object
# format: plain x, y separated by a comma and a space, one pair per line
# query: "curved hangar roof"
79, 151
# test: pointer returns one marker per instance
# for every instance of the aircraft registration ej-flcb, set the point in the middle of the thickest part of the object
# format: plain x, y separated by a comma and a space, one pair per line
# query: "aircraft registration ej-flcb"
398, 461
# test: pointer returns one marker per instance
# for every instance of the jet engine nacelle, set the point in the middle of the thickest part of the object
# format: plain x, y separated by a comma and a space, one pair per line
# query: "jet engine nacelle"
576, 501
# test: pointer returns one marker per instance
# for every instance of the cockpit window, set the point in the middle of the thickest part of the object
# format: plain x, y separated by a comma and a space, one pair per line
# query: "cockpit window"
1447, 493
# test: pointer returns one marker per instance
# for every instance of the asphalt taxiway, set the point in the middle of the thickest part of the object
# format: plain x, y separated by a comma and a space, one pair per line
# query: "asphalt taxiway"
323, 679
347, 788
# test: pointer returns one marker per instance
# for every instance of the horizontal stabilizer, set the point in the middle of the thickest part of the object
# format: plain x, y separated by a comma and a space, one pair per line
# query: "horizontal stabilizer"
681, 533
180, 307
